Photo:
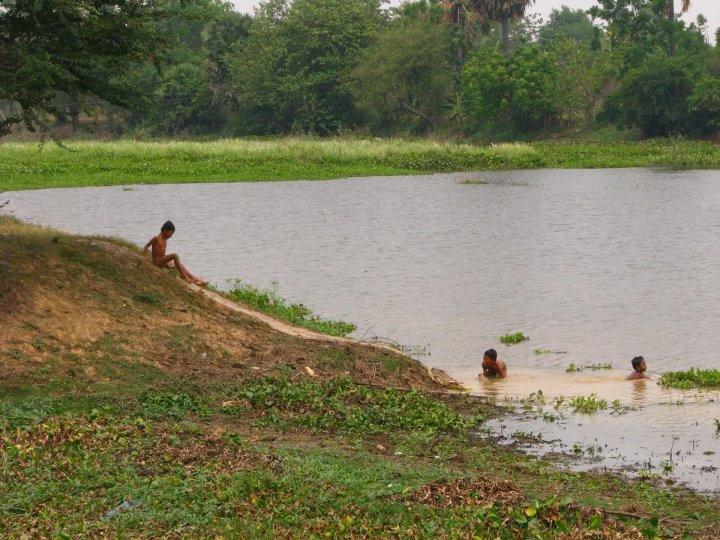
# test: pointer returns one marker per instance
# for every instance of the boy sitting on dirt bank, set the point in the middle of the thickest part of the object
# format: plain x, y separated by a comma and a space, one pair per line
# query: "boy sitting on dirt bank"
159, 245
492, 367
640, 367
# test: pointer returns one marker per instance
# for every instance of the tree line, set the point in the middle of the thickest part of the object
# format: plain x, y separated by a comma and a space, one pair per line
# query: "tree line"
479, 68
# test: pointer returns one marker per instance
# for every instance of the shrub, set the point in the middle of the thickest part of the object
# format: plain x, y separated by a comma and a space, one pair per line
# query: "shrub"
704, 107
520, 92
654, 97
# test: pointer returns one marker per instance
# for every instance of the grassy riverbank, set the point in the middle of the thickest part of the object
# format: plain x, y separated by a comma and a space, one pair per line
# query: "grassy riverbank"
27, 166
133, 407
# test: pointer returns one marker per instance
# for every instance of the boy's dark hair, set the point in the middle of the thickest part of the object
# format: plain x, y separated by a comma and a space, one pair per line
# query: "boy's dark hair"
492, 354
168, 226
637, 361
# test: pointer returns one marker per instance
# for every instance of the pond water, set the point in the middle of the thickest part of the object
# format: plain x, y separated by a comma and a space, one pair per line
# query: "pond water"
595, 266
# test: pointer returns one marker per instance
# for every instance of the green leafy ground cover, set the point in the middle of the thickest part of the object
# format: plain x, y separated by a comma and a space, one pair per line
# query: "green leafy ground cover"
298, 314
282, 456
76, 164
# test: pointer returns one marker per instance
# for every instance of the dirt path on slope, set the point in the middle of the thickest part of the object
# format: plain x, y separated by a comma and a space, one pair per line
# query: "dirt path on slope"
435, 374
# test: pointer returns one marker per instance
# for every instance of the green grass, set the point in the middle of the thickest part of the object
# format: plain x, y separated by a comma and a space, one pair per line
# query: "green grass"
28, 166
692, 378
271, 303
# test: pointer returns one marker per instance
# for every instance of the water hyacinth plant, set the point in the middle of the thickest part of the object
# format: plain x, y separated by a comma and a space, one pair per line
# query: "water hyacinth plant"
692, 378
511, 339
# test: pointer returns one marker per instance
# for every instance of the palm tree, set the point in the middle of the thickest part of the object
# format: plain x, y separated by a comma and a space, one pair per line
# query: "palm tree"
466, 14
670, 10
504, 11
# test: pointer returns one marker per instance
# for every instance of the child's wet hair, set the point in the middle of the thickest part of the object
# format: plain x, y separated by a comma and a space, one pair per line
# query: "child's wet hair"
491, 353
168, 226
637, 361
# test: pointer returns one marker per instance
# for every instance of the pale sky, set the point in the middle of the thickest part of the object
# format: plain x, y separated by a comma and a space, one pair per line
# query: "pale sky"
709, 8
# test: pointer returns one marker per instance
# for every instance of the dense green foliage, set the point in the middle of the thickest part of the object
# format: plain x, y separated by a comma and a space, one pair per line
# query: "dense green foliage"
704, 107
74, 49
654, 97
477, 68
692, 378
343, 406
406, 78
571, 24
516, 92
292, 74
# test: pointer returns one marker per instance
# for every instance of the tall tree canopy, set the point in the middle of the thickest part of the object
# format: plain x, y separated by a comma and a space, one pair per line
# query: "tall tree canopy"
407, 77
293, 73
574, 24
74, 47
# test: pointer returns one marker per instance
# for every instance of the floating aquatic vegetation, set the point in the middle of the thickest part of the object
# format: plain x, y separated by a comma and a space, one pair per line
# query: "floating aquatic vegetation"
572, 368
588, 404
692, 378
512, 339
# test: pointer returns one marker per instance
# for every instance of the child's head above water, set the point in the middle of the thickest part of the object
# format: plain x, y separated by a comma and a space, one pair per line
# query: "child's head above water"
638, 364
491, 354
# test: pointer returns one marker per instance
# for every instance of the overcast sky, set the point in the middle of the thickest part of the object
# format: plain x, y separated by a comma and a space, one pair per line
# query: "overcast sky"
709, 8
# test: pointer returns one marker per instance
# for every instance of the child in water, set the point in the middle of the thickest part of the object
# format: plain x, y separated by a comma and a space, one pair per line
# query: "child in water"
159, 245
640, 367
492, 367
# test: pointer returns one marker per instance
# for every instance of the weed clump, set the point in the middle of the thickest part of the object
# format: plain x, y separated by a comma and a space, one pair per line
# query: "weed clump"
340, 405
692, 378
512, 339
159, 404
588, 404
273, 304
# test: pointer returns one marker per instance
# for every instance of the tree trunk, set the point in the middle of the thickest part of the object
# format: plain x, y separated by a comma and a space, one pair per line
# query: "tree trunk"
505, 21
671, 17
418, 113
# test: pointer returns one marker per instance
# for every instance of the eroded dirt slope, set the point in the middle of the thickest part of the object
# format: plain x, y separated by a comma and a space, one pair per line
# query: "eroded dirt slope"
81, 306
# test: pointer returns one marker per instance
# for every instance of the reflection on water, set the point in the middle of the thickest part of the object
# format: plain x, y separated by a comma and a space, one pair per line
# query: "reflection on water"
639, 392
602, 264
610, 384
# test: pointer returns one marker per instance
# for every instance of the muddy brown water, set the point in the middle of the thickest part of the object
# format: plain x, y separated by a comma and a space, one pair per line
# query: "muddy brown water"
596, 266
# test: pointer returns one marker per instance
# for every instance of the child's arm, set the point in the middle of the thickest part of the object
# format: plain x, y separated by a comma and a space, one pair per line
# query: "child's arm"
150, 244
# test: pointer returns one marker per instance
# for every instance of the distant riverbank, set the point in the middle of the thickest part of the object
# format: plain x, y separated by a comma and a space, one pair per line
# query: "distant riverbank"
79, 164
